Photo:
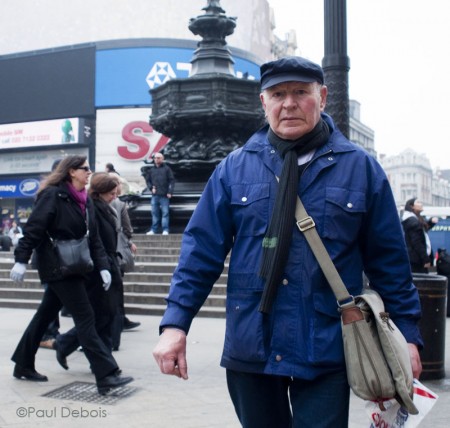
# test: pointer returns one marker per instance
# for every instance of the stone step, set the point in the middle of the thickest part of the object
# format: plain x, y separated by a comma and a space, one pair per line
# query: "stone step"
129, 287
158, 251
145, 288
130, 297
31, 298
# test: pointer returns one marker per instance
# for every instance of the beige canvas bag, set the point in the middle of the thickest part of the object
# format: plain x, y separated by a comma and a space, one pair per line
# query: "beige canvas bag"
376, 353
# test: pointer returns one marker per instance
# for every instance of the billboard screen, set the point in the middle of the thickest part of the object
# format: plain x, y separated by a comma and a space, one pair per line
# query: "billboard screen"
124, 76
44, 85
42, 133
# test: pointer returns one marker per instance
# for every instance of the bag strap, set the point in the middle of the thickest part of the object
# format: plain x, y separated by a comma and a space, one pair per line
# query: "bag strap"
306, 225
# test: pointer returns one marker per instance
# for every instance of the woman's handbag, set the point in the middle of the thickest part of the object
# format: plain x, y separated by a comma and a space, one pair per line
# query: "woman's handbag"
376, 353
124, 254
73, 254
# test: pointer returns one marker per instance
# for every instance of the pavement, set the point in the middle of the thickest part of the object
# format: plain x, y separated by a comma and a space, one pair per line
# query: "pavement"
157, 401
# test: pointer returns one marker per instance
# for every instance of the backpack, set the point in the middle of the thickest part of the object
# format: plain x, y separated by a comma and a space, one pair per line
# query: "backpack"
443, 262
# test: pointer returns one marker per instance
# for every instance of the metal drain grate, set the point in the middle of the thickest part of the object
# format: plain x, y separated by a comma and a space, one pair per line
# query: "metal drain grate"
84, 391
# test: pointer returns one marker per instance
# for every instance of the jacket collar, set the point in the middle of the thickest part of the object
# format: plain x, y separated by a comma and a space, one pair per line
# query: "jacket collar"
337, 143
408, 214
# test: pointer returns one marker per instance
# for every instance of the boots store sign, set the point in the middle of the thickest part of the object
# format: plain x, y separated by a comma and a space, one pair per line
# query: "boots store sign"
18, 188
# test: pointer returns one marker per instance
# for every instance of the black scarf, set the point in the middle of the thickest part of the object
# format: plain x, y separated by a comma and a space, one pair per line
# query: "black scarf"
278, 237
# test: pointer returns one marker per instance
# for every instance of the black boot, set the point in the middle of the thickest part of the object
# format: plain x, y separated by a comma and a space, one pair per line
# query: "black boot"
112, 381
28, 374
62, 360
128, 325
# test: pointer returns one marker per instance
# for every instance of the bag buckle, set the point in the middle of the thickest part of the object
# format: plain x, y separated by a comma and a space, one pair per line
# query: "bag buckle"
346, 303
306, 224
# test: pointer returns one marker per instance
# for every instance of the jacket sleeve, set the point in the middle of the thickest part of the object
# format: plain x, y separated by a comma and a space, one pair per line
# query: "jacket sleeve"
148, 179
35, 230
385, 256
416, 241
98, 252
206, 242
126, 223
171, 181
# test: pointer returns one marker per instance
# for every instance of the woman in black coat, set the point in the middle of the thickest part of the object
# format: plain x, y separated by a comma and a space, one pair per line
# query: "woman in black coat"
415, 228
63, 211
103, 190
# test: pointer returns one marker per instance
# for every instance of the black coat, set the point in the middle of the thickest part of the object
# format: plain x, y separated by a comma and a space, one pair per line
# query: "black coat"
415, 241
162, 178
106, 304
107, 226
57, 214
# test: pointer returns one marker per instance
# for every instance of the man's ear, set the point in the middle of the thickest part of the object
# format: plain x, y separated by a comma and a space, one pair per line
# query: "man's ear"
323, 97
261, 97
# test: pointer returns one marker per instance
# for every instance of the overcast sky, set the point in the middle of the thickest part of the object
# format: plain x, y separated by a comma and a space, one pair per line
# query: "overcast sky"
400, 67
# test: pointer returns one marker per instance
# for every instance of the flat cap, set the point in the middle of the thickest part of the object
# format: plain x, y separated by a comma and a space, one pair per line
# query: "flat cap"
290, 69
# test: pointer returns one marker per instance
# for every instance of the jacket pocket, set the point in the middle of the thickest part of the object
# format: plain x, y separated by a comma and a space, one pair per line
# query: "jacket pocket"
250, 207
246, 337
344, 211
327, 334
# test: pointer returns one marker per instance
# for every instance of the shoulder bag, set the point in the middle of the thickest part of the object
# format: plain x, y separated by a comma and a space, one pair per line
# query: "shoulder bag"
73, 254
124, 255
376, 353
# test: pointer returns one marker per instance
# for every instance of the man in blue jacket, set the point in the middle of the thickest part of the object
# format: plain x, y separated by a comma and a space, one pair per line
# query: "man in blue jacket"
284, 356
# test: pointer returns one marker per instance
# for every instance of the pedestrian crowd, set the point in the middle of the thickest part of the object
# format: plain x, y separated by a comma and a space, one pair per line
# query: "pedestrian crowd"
65, 212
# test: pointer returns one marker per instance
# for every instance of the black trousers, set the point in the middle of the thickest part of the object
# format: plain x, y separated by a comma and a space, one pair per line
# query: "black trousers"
104, 303
417, 268
71, 293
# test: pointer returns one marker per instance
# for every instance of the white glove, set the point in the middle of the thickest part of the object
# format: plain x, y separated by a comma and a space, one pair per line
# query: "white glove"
18, 272
106, 278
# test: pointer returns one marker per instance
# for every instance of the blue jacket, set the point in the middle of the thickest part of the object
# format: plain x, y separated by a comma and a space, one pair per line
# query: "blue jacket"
348, 195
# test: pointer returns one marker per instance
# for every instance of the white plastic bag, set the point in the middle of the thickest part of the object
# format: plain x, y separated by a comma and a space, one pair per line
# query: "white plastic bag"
396, 417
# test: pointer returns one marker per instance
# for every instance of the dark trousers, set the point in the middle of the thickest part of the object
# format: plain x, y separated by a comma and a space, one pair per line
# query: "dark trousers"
265, 401
52, 330
116, 328
417, 268
71, 293
119, 318
104, 304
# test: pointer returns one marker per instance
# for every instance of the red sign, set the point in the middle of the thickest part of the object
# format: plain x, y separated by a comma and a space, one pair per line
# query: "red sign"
138, 146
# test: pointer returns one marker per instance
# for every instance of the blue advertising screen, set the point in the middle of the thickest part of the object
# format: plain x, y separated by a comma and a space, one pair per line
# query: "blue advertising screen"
124, 76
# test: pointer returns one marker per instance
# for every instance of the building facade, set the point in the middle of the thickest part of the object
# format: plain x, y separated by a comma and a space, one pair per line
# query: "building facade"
410, 175
359, 133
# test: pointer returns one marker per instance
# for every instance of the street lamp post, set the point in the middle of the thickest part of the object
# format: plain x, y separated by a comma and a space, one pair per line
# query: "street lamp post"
336, 63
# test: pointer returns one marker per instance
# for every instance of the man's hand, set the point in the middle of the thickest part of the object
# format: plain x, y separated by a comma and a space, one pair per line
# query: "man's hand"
415, 360
170, 353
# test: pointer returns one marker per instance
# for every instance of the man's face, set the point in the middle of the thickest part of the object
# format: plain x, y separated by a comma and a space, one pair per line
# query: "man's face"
158, 159
293, 108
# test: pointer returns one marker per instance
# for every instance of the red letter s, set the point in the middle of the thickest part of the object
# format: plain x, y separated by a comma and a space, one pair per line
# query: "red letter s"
139, 141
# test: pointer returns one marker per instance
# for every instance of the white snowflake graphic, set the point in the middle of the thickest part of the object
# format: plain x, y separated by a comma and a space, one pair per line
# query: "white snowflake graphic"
160, 73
